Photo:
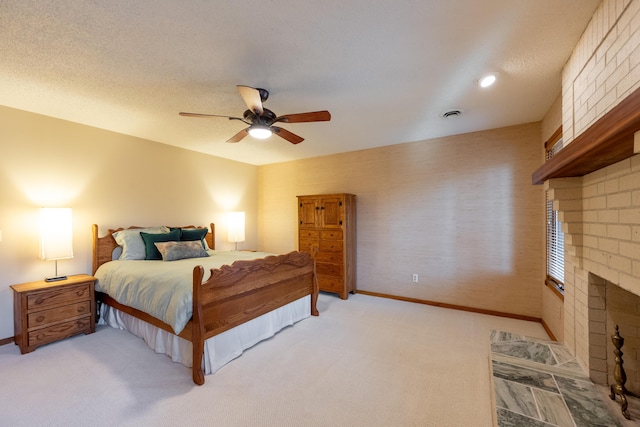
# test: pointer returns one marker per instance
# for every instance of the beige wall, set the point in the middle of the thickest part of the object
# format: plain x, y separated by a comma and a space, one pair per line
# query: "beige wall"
109, 179
458, 211
599, 211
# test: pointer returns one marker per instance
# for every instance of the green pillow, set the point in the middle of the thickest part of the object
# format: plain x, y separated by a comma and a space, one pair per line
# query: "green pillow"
151, 252
191, 234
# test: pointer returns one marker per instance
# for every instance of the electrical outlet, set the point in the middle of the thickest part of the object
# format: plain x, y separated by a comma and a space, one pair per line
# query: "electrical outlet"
415, 278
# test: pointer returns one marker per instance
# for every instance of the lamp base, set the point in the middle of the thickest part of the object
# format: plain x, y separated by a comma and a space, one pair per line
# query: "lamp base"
55, 279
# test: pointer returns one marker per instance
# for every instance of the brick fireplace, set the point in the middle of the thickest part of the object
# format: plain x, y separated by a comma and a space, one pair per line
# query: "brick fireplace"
600, 213
594, 182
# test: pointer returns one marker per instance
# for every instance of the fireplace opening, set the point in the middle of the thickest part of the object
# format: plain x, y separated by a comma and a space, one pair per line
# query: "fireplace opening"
610, 305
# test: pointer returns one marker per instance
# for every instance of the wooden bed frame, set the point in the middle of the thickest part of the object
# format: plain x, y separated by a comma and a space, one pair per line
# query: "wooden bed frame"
232, 295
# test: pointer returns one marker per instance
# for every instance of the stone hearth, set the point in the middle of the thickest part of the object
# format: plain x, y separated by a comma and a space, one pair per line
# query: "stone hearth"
540, 383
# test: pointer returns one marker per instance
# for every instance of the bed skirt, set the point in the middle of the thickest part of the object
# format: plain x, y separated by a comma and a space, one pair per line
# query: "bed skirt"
218, 350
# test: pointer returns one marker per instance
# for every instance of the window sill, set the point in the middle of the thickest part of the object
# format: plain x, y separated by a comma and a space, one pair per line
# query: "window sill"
555, 288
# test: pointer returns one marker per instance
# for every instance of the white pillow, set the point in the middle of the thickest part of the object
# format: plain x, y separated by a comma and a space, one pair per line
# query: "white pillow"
132, 243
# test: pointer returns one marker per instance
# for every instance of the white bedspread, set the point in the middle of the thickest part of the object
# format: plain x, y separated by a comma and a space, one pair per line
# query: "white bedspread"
162, 289
218, 350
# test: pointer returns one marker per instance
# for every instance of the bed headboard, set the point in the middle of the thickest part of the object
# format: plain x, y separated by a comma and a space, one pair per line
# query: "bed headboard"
104, 246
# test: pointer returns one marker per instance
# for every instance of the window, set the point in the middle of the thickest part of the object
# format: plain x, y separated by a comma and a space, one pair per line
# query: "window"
555, 237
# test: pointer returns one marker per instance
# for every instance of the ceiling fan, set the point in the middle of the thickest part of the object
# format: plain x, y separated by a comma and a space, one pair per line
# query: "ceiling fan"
261, 120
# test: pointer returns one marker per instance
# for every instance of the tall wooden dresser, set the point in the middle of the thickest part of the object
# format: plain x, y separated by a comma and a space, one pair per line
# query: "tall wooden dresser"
327, 227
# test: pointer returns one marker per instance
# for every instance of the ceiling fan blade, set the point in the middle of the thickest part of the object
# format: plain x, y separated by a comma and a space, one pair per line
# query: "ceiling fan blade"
238, 136
283, 133
251, 97
208, 116
314, 116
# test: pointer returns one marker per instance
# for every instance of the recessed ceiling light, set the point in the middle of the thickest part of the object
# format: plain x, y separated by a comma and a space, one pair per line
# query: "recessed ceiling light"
488, 80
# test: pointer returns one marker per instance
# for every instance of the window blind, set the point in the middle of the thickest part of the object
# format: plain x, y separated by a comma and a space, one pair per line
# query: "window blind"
555, 245
555, 236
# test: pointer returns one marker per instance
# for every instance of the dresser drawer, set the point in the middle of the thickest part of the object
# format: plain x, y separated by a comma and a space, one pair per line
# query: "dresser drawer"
331, 234
335, 257
308, 234
326, 269
59, 296
331, 245
330, 284
306, 245
58, 314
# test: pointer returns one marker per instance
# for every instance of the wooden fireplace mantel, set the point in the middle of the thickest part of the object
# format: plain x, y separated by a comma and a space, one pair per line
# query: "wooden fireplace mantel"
609, 140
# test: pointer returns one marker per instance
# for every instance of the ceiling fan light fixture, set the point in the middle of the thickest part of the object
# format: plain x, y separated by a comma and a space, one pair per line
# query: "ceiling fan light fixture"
260, 131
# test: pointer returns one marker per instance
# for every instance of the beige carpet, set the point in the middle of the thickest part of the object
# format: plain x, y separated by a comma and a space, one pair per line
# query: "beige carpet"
364, 362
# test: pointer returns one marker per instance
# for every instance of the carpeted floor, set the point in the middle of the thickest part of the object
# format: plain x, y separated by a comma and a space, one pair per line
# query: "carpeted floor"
366, 361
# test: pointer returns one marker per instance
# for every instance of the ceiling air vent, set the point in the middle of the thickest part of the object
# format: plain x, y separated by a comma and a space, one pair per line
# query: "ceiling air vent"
451, 114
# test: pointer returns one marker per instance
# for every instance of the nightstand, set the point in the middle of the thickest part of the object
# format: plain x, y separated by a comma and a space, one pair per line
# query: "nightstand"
44, 312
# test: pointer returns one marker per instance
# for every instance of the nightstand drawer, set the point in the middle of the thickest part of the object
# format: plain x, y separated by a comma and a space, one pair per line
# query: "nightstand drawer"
59, 296
58, 314
58, 332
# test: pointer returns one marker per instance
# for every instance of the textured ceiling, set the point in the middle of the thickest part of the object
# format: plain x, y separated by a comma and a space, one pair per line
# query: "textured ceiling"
386, 70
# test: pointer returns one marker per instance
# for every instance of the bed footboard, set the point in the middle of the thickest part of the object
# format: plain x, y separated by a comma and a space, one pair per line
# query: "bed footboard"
235, 294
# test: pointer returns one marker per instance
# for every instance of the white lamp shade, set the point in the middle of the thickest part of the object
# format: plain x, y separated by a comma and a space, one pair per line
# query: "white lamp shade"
56, 233
235, 222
